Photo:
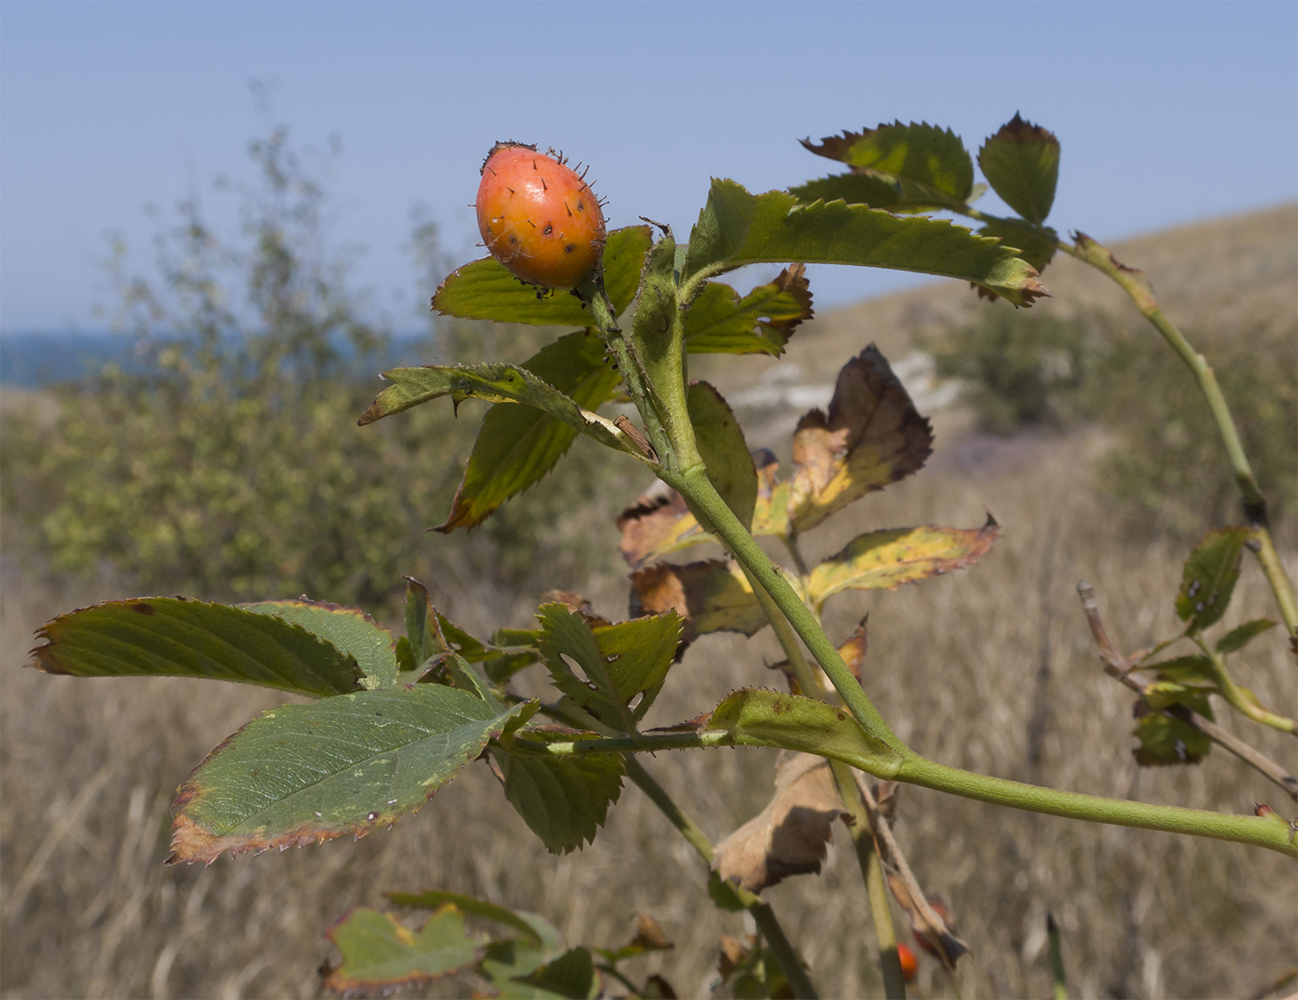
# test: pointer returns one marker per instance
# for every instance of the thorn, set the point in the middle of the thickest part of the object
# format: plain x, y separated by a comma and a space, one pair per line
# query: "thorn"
544, 186
510, 189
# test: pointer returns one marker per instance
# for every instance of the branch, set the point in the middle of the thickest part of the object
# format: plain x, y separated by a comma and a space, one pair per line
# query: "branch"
1119, 668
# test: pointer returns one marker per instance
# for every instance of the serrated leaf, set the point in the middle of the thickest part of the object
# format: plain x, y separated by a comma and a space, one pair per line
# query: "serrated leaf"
1021, 162
884, 560
563, 801
712, 596
485, 289
1196, 667
872, 436
570, 976
760, 717
509, 651
1209, 577
736, 228
790, 836
349, 629
720, 322
303, 774
1162, 693
620, 662
1240, 636
423, 633
518, 445
860, 189
380, 953
493, 383
531, 926
1164, 740
928, 166
725, 453
1036, 246
176, 637
656, 525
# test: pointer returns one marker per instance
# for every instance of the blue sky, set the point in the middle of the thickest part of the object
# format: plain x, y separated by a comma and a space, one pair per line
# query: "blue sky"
1167, 113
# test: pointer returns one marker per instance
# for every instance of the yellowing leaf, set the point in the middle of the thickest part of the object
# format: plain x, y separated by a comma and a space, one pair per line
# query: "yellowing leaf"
790, 835
872, 436
883, 560
712, 596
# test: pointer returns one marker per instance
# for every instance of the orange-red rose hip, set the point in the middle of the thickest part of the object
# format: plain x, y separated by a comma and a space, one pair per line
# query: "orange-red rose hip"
909, 964
538, 217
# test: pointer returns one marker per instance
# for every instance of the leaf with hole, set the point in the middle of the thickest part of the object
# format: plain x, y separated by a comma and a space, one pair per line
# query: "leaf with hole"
1209, 577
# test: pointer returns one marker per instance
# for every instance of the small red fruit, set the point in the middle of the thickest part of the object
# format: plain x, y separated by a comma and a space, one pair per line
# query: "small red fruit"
909, 963
539, 217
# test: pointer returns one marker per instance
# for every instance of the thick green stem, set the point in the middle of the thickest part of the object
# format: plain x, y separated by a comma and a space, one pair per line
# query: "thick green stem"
763, 915
1254, 830
1137, 288
695, 487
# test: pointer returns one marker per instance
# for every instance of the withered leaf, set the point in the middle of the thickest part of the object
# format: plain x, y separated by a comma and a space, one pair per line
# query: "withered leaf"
872, 436
654, 526
852, 651
789, 836
711, 596
931, 922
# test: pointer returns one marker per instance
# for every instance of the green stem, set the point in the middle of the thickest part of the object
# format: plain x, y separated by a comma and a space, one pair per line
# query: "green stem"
1056, 958
1253, 830
1137, 288
794, 971
1235, 697
695, 486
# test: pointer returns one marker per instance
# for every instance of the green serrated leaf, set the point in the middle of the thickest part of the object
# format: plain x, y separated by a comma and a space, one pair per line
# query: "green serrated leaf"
1164, 740
380, 953
349, 629
1021, 162
1196, 667
720, 322
423, 633
564, 802
1164, 693
928, 166
485, 289
1209, 577
1036, 246
736, 228
175, 637
856, 189
565, 635
721, 442
758, 717
884, 560
518, 445
570, 976
1240, 636
300, 774
639, 653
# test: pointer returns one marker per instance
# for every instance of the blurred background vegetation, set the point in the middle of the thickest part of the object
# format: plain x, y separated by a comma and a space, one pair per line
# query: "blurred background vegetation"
233, 469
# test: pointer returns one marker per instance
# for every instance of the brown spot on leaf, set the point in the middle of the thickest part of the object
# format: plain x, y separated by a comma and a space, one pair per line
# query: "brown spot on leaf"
142, 608
1019, 130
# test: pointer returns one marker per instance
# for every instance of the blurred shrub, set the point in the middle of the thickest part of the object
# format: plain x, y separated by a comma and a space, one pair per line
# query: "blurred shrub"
235, 469
1169, 466
1020, 368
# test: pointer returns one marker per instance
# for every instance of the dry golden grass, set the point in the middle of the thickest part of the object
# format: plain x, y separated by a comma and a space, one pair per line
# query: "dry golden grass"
961, 666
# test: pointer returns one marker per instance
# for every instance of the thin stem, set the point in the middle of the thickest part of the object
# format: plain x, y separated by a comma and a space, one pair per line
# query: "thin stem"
1056, 958
1133, 282
794, 971
1119, 668
695, 486
1235, 697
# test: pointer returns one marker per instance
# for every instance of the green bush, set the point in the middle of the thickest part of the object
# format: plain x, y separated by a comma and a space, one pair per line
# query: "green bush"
235, 468
1021, 368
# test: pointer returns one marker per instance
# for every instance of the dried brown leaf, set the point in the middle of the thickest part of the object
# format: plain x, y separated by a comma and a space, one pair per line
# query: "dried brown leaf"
872, 436
711, 596
789, 836
931, 922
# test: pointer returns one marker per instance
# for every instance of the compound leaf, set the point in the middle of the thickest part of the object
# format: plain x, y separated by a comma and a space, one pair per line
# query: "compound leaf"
720, 322
349, 629
1021, 162
884, 560
308, 773
485, 289
1209, 577
518, 445
872, 436
736, 228
176, 637
380, 953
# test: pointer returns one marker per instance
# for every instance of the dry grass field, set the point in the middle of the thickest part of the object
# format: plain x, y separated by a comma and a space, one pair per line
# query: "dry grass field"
963, 667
